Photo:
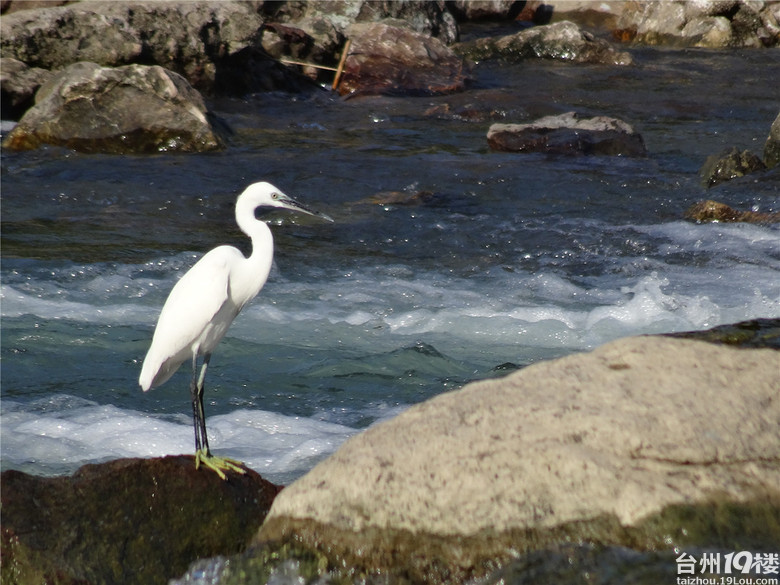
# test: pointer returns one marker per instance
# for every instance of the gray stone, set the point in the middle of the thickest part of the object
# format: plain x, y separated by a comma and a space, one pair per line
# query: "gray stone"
595, 447
661, 22
130, 109
568, 134
705, 23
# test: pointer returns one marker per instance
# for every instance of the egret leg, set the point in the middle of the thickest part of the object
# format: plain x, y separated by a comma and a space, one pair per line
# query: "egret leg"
202, 451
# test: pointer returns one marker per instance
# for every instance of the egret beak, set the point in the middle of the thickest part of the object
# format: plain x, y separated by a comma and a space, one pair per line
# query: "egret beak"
290, 203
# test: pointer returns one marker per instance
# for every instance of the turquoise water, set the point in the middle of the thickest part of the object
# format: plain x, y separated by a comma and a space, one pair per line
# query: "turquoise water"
511, 258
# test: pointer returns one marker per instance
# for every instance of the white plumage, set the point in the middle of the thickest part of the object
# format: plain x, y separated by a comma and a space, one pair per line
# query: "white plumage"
204, 302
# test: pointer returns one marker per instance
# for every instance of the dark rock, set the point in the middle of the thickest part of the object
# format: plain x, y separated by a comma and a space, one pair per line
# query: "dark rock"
18, 84
389, 59
130, 109
713, 211
563, 41
772, 145
568, 134
728, 165
127, 521
757, 333
316, 32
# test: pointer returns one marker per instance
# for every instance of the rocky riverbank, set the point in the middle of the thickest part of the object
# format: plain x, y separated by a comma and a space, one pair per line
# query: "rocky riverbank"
679, 438
648, 443
235, 48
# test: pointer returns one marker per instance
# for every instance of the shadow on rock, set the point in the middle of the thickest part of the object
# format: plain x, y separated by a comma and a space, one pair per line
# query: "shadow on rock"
126, 521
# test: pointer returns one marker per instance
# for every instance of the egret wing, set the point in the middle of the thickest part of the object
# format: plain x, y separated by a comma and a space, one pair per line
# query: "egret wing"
188, 313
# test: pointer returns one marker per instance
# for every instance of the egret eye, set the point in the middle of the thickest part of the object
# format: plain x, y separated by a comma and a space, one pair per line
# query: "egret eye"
275, 195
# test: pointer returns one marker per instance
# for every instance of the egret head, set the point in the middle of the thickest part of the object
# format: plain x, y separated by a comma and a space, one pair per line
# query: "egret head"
264, 194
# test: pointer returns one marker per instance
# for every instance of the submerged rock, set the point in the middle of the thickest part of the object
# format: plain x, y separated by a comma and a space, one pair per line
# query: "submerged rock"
568, 134
126, 521
389, 59
644, 443
563, 41
130, 109
729, 164
714, 211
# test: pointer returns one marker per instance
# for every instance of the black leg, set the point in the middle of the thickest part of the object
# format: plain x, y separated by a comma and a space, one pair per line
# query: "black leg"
202, 453
204, 440
196, 408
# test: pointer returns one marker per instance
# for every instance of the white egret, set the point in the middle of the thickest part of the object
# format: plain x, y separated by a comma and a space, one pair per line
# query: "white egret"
203, 304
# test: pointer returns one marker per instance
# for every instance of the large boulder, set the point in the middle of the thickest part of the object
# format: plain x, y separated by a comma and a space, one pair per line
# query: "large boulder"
568, 134
563, 41
647, 442
126, 521
130, 109
389, 58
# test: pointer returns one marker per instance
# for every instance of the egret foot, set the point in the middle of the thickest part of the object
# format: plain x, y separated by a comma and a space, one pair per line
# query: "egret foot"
218, 464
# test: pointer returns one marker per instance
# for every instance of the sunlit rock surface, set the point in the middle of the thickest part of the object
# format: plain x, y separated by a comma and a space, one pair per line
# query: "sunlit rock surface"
601, 447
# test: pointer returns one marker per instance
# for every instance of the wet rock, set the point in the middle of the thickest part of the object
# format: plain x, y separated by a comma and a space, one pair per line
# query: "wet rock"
130, 109
563, 41
127, 521
713, 211
18, 84
772, 145
605, 448
388, 58
206, 42
756, 333
400, 198
729, 164
568, 134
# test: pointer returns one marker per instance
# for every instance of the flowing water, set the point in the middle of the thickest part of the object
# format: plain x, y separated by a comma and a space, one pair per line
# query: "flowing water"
506, 260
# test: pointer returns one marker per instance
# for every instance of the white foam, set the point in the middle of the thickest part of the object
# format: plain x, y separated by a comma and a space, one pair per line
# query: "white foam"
58, 436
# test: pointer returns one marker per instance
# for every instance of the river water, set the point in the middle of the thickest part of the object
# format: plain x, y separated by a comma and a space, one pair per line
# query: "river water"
508, 259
